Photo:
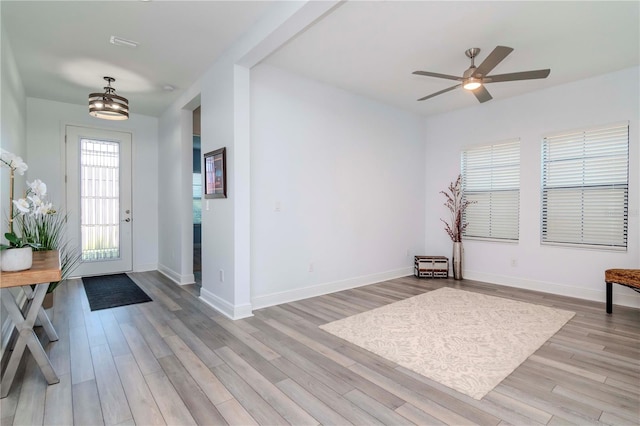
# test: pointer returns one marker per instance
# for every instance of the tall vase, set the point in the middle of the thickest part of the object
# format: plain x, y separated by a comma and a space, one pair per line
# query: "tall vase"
47, 303
458, 252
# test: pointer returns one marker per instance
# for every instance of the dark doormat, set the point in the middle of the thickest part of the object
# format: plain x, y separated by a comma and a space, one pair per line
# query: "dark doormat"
111, 291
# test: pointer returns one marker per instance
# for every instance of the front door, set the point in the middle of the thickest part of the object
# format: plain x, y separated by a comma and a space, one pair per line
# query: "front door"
98, 185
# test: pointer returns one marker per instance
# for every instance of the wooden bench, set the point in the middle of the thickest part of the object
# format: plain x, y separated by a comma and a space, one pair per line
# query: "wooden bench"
626, 277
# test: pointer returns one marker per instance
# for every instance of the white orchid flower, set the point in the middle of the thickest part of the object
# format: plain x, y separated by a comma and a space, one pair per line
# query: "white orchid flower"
42, 209
37, 201
38, 187
19, 165
6, 157
22, 205
16, 163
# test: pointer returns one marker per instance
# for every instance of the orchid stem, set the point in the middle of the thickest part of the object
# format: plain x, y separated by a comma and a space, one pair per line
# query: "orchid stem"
11, 176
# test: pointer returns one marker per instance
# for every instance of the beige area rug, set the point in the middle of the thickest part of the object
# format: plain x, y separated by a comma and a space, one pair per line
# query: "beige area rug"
466, 341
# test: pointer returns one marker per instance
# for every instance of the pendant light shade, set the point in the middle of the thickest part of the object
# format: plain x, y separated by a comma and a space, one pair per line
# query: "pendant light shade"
108, 105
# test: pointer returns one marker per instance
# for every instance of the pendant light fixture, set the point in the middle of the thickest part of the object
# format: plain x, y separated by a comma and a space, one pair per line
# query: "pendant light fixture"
108, 105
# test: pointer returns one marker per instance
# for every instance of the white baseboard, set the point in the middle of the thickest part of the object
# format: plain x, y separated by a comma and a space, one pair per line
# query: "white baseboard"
145, 267
176, 277
326, 288
621, 295
233, 312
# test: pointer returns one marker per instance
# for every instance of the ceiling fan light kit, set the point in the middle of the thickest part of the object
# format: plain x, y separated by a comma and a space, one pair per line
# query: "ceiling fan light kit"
108, 105
474, 78
472, 83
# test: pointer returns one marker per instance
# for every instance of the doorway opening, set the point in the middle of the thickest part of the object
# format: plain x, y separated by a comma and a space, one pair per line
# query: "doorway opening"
197, 199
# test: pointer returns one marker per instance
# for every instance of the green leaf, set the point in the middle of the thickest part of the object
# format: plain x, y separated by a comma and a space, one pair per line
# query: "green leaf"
12, 238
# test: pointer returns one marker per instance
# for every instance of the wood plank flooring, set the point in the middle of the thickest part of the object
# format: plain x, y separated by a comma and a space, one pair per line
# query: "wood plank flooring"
177, 361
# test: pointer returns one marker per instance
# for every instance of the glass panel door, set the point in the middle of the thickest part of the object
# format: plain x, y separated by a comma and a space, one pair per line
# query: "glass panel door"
99, 198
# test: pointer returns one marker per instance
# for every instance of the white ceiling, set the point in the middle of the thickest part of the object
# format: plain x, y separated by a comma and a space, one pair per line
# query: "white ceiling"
371, 48
62, 48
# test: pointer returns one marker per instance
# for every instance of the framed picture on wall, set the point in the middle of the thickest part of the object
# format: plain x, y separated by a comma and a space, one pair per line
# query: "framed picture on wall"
215, 174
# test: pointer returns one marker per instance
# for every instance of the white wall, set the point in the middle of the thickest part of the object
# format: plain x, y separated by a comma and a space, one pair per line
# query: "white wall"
568, 271
218, 215
46, 121
347, 175
12, 121
12, 139
175, 206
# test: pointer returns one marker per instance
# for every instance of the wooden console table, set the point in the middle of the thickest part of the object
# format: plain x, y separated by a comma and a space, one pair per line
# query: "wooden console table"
45, 269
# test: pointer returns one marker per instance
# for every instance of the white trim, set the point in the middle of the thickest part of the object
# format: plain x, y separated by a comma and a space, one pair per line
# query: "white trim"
631, 300
145, 267
326, 288
176, 277
233, 312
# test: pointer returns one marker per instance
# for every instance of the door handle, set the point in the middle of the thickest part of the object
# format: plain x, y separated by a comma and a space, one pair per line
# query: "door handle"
127, 219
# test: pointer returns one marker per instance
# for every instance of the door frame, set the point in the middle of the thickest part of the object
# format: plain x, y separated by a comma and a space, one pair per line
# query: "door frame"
125, 264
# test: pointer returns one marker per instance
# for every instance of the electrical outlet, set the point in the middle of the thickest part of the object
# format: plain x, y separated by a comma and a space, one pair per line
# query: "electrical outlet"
311, 267
221, 275
277, 206
514, 262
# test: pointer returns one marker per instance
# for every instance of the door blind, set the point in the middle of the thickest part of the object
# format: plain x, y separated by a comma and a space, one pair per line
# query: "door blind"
491, 180
585, 187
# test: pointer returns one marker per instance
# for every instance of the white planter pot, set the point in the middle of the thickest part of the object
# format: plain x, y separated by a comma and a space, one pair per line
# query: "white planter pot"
16, 259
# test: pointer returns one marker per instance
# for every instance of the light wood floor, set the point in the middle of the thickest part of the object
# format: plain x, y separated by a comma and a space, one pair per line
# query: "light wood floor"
177, 361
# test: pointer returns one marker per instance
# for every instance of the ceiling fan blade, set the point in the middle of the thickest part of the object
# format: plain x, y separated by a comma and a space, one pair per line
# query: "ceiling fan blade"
524, 75
435, 74
494, 58
440, 92
482, 94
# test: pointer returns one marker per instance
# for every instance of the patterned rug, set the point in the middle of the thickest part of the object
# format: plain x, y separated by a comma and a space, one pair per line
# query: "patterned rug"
466, 341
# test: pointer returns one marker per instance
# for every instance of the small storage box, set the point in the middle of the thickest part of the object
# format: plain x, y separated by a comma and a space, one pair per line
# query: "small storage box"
431, 267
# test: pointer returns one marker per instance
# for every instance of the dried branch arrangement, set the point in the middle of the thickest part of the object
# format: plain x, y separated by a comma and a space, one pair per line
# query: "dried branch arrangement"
456, 206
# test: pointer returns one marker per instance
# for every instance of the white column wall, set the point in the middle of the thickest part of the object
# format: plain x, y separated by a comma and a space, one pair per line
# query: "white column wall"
224, 94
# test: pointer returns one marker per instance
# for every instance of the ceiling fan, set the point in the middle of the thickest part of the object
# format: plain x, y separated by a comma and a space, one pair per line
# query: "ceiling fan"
474, 78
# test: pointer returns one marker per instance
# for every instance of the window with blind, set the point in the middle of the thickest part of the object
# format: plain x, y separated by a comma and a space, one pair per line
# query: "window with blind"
585, 187
491, 181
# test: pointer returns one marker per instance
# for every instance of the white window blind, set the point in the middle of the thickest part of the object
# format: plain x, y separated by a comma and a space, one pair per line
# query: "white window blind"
491, 180
585, 187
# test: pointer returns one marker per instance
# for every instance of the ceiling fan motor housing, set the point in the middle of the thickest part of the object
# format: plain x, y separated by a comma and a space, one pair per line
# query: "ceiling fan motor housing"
469, 72
472, 53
